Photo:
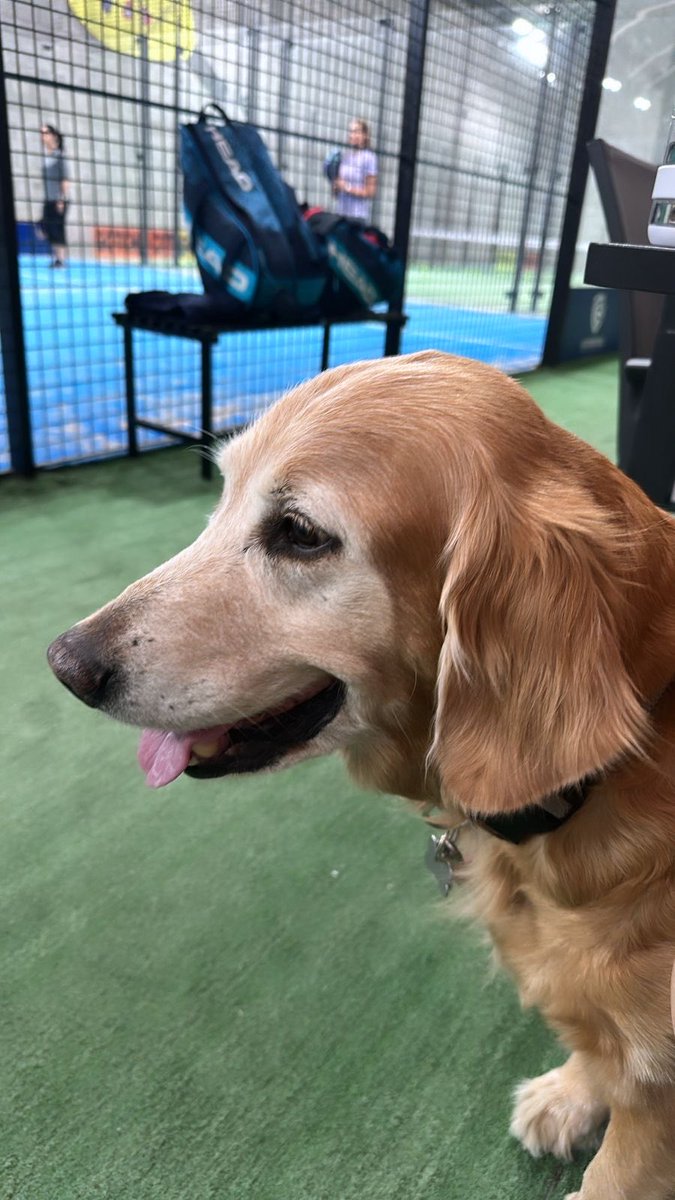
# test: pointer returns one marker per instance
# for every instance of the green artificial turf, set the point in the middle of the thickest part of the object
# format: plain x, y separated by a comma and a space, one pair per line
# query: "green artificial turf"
240, 989
582, 398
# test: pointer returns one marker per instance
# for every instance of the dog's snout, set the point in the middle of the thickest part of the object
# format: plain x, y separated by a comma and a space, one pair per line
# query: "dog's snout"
75, 660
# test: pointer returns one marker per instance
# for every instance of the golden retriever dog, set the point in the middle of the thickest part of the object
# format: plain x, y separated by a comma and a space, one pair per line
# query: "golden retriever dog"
412, 565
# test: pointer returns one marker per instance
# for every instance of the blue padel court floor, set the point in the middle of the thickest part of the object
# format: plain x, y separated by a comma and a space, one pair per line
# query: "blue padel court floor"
76, 365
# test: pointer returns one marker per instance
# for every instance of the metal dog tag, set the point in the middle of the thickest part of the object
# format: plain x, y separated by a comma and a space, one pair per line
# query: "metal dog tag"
442, 853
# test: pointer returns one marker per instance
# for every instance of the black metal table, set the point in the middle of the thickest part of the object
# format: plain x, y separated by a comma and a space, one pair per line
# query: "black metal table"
651, 459
207, 336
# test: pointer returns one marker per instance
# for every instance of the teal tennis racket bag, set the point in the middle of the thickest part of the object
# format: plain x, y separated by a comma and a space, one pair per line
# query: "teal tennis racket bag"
253, 248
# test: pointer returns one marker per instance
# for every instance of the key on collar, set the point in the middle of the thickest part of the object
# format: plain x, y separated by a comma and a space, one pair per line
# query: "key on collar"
442, 855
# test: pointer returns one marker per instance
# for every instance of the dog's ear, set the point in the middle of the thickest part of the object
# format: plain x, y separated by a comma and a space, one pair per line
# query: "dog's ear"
533, 693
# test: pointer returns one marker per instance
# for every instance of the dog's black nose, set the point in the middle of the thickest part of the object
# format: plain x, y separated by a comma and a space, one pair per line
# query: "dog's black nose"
74, 660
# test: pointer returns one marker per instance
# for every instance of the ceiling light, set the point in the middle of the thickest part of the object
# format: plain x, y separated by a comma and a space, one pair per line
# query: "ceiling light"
551, 77
522, 27
611, 85
533, 49
642, 103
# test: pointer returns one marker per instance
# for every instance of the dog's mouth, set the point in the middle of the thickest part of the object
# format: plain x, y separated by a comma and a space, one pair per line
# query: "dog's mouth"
251, 744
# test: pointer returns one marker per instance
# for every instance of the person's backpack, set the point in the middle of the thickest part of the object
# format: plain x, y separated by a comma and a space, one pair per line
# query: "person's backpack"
364, 268
331, 165
253, 249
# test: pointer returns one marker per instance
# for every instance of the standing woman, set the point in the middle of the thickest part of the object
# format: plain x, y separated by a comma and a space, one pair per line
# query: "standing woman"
56, 183
356, 183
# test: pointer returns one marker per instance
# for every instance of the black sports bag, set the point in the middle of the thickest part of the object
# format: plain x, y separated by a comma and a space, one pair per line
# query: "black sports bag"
365, 269
253, 249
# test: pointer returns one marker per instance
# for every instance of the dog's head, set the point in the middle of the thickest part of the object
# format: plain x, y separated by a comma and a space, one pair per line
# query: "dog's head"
408, 563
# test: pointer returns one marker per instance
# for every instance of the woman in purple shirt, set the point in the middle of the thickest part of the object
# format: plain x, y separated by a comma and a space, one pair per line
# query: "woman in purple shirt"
356, 182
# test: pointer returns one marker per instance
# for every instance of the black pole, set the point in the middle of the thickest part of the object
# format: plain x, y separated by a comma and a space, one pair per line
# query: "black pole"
532, 170
497, 219
412, 105
555, 168
455, 145
145, 150
588, 116
177, 189
386, 24
253, 71
11, 317
284, 91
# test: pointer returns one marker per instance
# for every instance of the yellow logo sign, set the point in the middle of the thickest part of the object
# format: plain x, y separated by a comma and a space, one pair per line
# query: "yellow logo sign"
162, 29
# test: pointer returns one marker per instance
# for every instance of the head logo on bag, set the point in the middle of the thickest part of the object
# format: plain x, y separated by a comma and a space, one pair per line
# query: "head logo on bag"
241, 282
210, 255
349, 270
229, 158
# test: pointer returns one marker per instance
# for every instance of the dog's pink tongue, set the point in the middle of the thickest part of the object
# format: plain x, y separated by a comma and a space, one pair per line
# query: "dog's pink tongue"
163, 756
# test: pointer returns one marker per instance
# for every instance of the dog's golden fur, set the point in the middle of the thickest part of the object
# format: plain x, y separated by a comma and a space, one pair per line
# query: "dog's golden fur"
502, 612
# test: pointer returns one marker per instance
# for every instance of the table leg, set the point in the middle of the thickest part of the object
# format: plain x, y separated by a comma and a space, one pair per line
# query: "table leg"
651, 460
325, 351
207, 410
392, 338
132, 441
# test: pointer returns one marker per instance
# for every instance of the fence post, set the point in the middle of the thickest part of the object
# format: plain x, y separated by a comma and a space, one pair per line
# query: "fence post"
412, 104
144, 153
533, 168
11, 318
536, 292
588, 116
386, 25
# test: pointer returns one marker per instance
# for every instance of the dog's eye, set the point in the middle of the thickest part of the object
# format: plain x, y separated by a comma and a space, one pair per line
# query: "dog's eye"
297, 531
295, 536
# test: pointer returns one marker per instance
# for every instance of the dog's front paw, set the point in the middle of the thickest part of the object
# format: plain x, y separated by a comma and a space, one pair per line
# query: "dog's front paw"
555, 1115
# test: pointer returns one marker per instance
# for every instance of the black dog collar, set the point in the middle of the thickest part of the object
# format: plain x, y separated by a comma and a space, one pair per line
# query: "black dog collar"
443, 853
545, 817
551, 812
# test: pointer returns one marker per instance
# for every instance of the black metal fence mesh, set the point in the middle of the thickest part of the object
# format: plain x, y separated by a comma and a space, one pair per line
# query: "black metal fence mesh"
501, 91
